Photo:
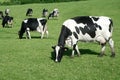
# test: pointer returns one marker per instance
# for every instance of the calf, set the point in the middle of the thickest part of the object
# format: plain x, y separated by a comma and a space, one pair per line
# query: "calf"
7, 21
29, 12
33, 24
54, 13
87, 29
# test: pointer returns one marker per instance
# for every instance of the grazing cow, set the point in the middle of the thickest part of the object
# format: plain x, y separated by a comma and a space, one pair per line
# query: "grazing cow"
44, 12
1, 15
33, 24
87, 29
7, 21
29, 12
54, 13
7, 12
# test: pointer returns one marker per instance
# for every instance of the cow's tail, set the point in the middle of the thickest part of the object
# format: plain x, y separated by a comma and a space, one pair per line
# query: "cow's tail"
111, 25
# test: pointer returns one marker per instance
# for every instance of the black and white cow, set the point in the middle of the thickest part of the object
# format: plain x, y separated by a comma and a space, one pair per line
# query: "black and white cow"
54, 13
7, 21
33, 24
85, 28
29, 12
44, 12
7, 12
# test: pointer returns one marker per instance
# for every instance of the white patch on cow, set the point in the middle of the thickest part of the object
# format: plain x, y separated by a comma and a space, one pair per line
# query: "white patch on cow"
104, 23
25, 21
28, 33
68, 42
69, 24
39, 29
81, 25
57, 48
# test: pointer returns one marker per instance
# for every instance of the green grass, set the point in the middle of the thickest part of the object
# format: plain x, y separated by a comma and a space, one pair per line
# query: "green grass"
31, 59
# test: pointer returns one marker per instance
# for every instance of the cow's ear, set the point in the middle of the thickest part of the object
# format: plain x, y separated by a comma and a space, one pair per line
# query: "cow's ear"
53, 47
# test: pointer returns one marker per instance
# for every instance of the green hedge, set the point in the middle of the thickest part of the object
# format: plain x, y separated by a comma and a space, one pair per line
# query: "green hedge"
34, 1
41, 1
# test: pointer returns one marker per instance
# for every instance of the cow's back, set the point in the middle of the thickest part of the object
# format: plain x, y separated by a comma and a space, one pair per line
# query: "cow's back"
88, 28
32, 23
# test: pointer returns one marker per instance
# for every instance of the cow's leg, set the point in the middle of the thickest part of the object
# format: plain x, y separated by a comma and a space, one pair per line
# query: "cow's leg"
75, 48
102, 49
111, 44
42, 34
78, 52
73, 51
102, 42
3, 24
47, 33
28, 33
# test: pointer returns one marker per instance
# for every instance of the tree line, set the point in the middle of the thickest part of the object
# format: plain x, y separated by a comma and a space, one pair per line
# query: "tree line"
34, 1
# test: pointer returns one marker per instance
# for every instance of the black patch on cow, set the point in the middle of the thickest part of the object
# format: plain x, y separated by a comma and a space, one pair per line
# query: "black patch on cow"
90, 27
98, 26
32, 23
43, 22
89, 30
75, 34
83, 19
65, 32
95, 18
111, 25
77, 29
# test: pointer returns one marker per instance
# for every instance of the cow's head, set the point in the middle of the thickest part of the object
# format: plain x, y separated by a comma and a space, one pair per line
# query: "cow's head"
20, 34
58, 53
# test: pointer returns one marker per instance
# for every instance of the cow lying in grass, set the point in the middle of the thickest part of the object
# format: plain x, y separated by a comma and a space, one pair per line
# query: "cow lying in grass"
84, 28
33, 24
54, 13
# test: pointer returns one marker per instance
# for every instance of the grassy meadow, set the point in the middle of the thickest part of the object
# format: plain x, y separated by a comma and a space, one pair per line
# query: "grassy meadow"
31, 59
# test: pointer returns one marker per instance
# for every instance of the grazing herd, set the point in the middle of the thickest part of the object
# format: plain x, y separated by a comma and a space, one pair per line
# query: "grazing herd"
81, 28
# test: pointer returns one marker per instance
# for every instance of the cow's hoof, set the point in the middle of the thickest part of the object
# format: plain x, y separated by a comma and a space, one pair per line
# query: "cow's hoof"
71, 56
78, 55
101, 55
113, 55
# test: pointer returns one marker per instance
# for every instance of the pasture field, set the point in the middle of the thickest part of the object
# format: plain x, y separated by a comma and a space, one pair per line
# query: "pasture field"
31, 59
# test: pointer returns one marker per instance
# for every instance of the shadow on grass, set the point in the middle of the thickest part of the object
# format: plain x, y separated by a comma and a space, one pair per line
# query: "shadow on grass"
82, 51
36, 37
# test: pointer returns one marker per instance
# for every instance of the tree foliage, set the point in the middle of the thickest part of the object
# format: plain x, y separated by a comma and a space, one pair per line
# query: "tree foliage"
34, 1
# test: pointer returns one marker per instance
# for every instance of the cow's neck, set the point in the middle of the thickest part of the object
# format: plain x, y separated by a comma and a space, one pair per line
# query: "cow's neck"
65, 32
